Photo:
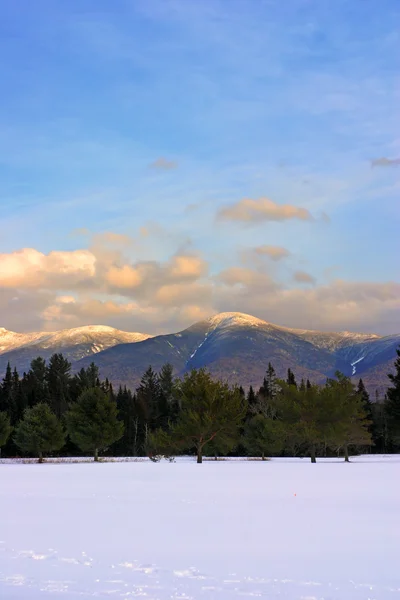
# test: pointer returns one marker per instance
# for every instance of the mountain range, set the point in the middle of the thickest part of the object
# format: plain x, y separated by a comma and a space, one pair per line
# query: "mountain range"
232, 346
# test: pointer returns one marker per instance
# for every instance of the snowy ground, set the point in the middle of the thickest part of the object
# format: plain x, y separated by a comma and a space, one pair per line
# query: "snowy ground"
225, 530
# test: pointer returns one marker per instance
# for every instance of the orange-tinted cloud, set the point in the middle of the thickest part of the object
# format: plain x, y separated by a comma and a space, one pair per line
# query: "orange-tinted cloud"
274, 252
303, 277
248, 210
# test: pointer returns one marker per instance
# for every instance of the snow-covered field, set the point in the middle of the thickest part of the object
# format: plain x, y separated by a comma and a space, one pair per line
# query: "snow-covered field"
221, 530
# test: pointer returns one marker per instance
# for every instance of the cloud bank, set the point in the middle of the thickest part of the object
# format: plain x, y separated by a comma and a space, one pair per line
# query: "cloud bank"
101, 285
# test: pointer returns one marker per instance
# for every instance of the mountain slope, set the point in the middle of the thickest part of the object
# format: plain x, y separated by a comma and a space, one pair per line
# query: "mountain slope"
21, 348
232, 346
238, 347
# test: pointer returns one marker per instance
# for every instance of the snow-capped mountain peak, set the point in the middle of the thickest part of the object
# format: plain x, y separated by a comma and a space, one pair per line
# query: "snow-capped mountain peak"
235, 319
75, 343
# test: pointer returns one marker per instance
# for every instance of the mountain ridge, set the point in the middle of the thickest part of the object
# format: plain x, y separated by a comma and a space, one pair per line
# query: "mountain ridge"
233, 346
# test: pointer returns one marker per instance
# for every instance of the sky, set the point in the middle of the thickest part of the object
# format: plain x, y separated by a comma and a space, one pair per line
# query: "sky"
165, 160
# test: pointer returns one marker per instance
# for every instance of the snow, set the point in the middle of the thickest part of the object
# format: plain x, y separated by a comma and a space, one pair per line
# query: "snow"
353, 364
102, 337
234, 319
283, 529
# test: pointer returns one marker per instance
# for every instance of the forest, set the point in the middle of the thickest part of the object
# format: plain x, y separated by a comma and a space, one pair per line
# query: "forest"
49, 411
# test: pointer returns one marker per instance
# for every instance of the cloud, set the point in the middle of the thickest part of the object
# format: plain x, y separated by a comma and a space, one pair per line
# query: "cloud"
341, 305
263, 209
274, 252
100, 270
303, 277
101, 286
113, 239
28, 268
181, 294
385, 162
163, 164
125, 277
187, 267
246, 279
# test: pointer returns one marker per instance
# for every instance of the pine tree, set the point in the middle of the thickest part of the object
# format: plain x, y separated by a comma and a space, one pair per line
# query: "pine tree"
35, 384
210, 410
302, 387
306, 419
392, 404
5, 429
347, 415
291, 380
251, 402
19, 399
380, 431
148, 397
58, 377
7, 399
92, 421
131, 443
168, 402
263, 436
39, 432
271, 385
367, 404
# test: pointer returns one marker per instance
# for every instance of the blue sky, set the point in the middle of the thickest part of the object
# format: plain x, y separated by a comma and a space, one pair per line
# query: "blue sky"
147, 118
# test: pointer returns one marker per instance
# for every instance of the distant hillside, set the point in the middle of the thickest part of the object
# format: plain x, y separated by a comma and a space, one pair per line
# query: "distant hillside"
232, 346
75, 344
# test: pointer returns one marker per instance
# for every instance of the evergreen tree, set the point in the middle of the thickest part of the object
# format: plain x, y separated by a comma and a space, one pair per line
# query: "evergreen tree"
380, 430
348, 417
210, 410
392, 404
251, 402
5, 429
148, 397
7, 398
222, 445
107, 387
92, 421
266, 395
271, 384
291, 380
58, 378
83, 380
366, 402
131, 443
168, 403
263, 436
19, 397
306, 418
35, 384
39, 432
302, 387
367, 407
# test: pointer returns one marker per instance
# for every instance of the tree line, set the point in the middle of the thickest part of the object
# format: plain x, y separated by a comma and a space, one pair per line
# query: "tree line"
49, 410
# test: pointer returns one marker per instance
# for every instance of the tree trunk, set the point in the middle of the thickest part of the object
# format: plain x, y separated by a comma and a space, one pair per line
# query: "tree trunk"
215, 456
346, 453
40, 457
96, 455
263, 456
312, 454
199, 455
